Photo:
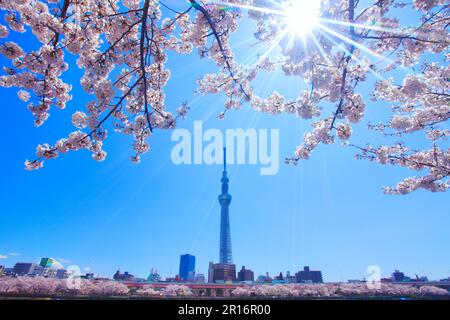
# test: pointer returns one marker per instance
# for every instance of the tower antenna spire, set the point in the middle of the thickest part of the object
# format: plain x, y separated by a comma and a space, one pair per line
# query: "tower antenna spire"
224, 159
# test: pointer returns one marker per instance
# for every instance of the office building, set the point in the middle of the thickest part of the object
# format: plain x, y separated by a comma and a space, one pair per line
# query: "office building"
211, 272
245, 275
24, 268
187, 267
123, 276
309, 276
38, 271
62, 274
46, 262
222, 272
398, 276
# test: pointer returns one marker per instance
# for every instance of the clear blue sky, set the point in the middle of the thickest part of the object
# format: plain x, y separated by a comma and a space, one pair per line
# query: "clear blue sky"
328, 213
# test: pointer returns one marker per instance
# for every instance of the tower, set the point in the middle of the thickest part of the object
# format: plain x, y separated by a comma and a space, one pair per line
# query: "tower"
225, 234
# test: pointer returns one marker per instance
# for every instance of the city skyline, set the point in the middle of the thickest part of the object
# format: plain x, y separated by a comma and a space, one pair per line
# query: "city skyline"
47, 263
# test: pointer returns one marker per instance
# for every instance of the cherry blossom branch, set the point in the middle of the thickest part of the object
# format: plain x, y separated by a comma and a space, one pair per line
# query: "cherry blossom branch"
142, 54
123, 46
211, 23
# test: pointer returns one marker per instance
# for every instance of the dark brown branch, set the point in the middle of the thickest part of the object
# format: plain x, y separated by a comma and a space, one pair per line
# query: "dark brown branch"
142, 56
64, 9
351, 17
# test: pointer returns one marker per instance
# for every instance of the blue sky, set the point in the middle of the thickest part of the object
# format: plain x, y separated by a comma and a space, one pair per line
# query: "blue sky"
328, 213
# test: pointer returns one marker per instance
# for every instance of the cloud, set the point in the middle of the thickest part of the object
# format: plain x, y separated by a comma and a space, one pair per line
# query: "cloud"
14, 254
87, 269
62, 260
3, 257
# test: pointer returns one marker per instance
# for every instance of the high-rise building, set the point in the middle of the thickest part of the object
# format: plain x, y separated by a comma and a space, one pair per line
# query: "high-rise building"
187, 267
309, 276
225, 255
46, 262
224, 272
62, 274
245, 275
24, 268
211, 272
221, 273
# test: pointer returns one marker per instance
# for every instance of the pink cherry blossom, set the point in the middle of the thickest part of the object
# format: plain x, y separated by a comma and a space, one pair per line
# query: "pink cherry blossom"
123, 49
39, 286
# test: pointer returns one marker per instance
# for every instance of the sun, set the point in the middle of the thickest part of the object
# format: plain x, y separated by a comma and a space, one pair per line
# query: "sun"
302, 16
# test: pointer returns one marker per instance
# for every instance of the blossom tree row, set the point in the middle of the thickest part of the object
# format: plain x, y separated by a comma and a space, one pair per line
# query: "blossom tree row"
340, 290
29, 286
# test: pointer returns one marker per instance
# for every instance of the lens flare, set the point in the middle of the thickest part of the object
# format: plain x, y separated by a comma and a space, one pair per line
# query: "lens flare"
302, 16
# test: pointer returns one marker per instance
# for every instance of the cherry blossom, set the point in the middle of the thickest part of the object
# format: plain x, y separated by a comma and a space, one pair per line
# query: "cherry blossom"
39, 286
337, 290
148, 292
52, 287
177, 290
123, 47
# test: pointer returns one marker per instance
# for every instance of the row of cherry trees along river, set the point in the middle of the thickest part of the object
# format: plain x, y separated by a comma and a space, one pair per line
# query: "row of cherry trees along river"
123, 47
28, 286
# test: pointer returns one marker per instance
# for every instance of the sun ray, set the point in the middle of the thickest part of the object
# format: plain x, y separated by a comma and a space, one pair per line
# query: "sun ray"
319, 47
273, 44
250, 8
354, 43
302, 17
341, 46
306, 28
359, 26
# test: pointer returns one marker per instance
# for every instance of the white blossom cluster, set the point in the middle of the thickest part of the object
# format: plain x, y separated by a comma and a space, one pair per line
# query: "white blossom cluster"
28, 286
123, 48
341, 290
